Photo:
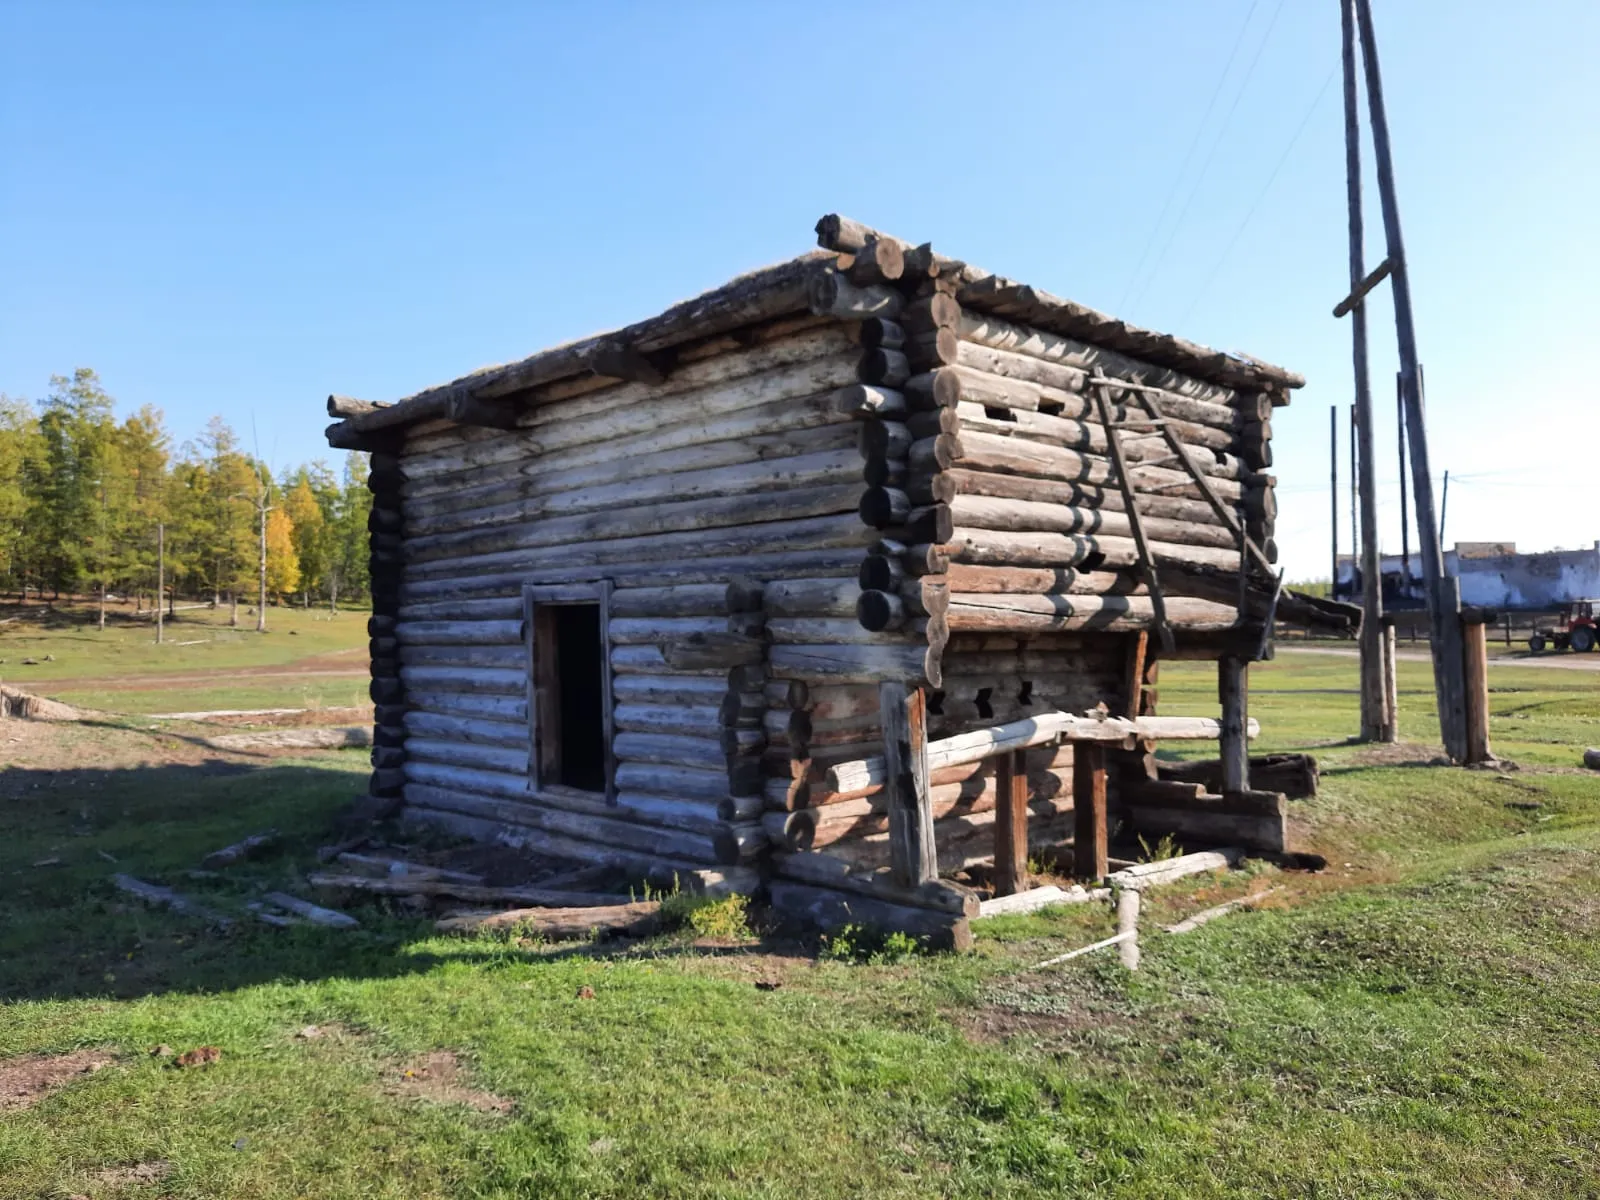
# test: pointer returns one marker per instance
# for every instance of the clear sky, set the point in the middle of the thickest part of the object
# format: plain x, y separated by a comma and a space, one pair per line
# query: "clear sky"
241, 207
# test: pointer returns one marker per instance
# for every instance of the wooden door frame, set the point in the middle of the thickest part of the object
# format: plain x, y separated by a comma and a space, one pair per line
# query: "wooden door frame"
540, 722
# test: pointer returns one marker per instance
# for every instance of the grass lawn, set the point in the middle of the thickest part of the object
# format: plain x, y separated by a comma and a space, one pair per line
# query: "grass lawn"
305, 659
1421, 1019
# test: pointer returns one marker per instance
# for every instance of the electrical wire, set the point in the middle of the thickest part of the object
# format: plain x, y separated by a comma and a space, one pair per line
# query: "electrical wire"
1205, 167
1266, 187
1194, 144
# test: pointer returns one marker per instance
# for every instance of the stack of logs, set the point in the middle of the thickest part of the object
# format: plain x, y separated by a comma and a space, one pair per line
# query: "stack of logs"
992, 470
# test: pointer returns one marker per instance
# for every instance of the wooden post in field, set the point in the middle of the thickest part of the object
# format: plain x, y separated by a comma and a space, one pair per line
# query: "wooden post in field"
913, 859
1233, 690
1391, 684
161, 576
1475, 669
1089, 850
1333, 499
1444, 594
1011, 823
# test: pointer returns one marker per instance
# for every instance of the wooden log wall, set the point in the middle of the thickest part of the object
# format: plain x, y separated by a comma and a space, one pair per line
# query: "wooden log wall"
741, 463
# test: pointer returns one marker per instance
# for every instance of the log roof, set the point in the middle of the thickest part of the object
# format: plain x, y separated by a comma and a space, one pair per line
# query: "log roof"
783, 289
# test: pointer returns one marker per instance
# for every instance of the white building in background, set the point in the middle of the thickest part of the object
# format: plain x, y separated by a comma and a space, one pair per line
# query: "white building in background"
1492, 574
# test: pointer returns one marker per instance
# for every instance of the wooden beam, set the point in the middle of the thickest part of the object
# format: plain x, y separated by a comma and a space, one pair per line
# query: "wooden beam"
1133, 689
466, 409
1011, 823
1090, 859
1233, 690
617, 360
1359, 292
904, 717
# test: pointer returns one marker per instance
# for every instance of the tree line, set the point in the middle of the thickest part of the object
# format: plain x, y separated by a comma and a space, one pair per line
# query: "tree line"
93, 505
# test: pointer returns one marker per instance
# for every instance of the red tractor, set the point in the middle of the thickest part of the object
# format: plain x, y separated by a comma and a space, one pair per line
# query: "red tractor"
1577, 630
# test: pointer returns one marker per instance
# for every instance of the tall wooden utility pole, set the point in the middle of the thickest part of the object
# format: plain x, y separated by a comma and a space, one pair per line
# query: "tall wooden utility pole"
261, 603
1405, 516
1377, 718
1444, 592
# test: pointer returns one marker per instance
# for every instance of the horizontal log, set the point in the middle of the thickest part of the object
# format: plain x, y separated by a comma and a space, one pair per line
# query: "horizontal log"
684, 720
446, 727
683, 600
691, 783
995, 547
509, 657
825, 530
859, 664
496, 681
1293, 775
671, 750
830, 909
810, 597
824, 871
1038, 730
669, 691
830, 294
631, 919
1200, 822
1027, 612
476, 755
624, 631
1017, 515
838, 631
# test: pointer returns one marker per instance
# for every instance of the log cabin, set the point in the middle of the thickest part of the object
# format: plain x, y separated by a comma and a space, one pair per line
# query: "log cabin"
842, 578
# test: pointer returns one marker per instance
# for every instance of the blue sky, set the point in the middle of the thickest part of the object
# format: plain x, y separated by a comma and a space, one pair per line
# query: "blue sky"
239, 208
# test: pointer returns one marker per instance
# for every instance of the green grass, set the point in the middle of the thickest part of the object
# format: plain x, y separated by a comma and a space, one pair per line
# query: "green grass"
1419, 1020
203, 663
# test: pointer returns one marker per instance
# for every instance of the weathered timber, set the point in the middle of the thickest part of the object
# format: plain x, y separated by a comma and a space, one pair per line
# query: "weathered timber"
830, 909
1294, 775
635, 919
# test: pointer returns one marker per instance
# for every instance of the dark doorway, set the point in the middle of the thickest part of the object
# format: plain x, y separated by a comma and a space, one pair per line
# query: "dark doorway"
571, 695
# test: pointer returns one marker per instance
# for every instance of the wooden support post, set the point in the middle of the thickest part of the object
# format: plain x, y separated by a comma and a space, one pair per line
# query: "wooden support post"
1475, 668
1233, 690
1138, 649
1089, 853
913, 859
1011, 823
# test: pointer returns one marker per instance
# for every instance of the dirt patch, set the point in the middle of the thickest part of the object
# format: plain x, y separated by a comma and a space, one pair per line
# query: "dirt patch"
334, 663
138, 1175
1398, 754
14, 702
439, 1078
28, 1079
325, 737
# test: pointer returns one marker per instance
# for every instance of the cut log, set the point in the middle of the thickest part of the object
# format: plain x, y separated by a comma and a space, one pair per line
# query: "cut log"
152, 893
1294, 775
634, 919
476, 894
1038, 899
251, 847
1154, 874
315, 913
832, 910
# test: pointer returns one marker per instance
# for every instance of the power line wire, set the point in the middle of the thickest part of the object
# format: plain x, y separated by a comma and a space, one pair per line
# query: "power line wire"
1188, 157
1205, 167
1249, 215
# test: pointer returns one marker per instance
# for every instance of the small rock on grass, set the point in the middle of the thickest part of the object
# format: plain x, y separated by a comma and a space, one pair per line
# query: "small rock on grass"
161, 1051
586, 992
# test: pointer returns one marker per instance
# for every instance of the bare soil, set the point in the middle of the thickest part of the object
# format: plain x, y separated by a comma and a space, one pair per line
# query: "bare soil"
28, 1079
439, 1078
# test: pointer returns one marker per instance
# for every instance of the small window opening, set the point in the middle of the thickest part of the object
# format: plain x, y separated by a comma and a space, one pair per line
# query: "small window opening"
936, 704
1025, 694
985, 709
1051, 408
570, 696
998, 412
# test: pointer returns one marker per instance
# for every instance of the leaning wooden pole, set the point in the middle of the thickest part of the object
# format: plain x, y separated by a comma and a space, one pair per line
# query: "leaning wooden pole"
1377, 722
1333, 499
1444, 594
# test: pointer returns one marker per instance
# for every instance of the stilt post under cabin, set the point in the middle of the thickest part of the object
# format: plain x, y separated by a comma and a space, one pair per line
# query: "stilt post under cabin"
1090, 856
913, 859
1233, 690
1011, 823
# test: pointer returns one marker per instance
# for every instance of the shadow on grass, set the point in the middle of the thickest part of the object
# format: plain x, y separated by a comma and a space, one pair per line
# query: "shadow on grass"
67, 932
